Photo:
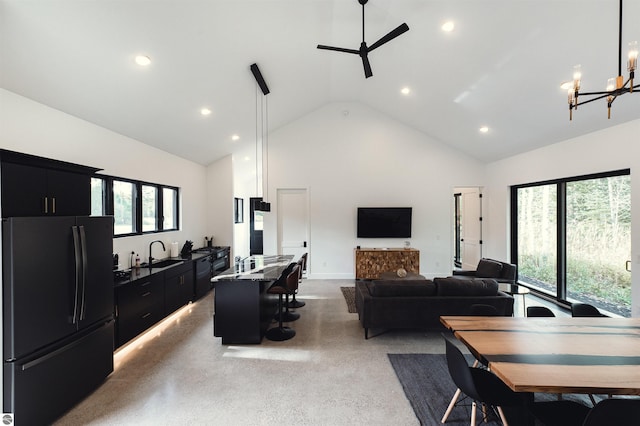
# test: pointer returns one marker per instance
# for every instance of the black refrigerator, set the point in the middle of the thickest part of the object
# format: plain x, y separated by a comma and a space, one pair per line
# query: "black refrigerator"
57, 313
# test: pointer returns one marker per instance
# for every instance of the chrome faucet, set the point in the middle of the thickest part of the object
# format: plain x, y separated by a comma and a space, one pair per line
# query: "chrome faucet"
150, 244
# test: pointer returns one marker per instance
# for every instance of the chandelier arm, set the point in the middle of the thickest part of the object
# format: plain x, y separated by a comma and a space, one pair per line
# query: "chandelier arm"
594, 93
591, 100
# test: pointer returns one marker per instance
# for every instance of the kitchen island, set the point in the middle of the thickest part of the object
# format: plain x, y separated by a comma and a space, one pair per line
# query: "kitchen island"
243, 310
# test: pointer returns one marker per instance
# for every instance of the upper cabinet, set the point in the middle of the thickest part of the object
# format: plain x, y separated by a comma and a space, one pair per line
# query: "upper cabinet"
36, 186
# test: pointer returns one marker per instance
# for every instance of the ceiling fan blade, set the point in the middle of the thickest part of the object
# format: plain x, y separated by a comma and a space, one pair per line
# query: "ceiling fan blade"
338, 49
366, 65
390, 36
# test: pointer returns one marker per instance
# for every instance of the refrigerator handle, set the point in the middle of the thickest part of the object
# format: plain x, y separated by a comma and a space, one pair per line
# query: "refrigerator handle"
83, 246
78, 259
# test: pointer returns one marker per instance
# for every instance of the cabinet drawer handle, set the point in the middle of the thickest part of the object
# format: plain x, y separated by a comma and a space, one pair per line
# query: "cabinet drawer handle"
53, 204
146, 283
46, 204
146, 294
145, 316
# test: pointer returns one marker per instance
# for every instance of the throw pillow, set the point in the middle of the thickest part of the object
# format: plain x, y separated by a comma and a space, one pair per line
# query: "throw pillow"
456, 287
488, 268
404, 288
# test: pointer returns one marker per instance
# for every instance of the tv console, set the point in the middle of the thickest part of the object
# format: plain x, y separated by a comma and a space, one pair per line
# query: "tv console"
371, 262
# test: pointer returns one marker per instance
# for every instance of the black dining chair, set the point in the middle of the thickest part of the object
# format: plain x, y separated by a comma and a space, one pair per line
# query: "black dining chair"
539, 311
559, 413
608, 412
614, 411
479, 385
585, 310
482, 310
477, 309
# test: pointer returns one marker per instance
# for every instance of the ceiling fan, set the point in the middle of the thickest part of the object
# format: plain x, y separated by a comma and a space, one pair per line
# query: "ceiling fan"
364, 50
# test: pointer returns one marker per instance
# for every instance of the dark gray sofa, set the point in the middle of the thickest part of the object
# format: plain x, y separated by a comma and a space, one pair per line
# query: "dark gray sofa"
502, 272
419, 303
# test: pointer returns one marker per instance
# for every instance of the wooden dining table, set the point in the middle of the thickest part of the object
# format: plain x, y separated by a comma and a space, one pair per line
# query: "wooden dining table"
556, 355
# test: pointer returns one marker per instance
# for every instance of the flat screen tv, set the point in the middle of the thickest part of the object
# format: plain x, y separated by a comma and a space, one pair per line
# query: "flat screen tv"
384, 222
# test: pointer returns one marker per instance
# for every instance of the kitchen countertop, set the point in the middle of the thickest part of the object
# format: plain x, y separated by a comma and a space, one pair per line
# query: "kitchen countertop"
144, 272
256, 268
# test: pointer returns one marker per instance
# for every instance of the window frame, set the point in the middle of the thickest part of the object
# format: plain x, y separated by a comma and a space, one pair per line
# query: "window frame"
109, 204
561, 230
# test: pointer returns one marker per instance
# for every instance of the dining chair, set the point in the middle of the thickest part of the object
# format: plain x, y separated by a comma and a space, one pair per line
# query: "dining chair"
614, 411
608, 412
477, 309
585, 310
477, 384
539, 311
560, 413
482, 310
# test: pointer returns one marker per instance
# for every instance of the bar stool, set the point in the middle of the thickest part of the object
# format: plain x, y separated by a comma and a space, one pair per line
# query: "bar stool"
303, 268
281, 288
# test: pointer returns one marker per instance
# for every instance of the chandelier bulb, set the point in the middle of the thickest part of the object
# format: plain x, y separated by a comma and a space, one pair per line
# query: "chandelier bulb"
633, 56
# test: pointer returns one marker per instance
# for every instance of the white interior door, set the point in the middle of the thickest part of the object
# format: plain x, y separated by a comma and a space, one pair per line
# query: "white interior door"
293, 222
471, 228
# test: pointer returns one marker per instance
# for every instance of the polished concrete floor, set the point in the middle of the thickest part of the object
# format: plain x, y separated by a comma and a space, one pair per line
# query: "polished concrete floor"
328, 374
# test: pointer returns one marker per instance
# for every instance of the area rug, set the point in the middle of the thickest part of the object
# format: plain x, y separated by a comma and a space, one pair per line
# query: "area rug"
428, 387
349, 294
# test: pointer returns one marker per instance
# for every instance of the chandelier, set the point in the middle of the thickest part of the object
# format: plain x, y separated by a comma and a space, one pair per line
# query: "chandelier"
615, 86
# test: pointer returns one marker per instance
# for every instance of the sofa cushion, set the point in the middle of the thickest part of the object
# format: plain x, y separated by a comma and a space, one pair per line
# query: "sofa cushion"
475, 287
488, 268
401, 288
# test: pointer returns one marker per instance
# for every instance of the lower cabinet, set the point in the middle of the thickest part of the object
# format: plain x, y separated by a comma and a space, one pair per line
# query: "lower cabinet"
139, 305
142, 303
178, 287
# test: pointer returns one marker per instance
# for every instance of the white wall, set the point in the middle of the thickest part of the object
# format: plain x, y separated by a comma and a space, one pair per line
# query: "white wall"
36, 129
348, 155
219, 200
612, 149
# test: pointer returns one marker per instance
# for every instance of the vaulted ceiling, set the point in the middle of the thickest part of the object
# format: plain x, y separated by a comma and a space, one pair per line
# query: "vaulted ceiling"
500, 67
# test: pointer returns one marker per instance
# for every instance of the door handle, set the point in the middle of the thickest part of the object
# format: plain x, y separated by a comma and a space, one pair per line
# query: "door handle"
628, 265
304, 244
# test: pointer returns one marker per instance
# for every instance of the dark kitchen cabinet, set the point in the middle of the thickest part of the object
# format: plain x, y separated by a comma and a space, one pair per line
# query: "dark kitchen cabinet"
140, 305
35, 186
178, 286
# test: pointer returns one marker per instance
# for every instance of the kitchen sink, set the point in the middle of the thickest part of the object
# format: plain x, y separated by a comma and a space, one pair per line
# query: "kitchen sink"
162, 263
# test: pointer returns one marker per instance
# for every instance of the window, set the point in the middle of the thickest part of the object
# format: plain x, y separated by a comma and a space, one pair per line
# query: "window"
98, 197
149, 208
169, 209
137, 207
572, 239
124, 207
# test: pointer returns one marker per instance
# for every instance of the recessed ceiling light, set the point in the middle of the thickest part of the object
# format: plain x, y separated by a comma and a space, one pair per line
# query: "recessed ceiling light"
448, 26
205, 111
484, 129
235, 137
143, 60
405, 91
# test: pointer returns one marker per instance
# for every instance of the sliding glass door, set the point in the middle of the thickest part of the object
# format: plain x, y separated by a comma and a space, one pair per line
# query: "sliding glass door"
572, 239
